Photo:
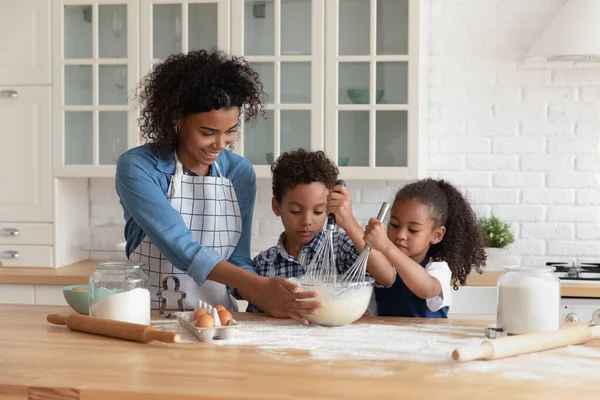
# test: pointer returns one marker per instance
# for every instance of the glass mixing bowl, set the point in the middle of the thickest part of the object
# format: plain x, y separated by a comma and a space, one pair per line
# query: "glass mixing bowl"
342, 303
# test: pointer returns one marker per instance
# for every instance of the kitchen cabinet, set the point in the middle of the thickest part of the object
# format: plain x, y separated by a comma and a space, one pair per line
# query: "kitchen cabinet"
348, 85
95, 57
25, 44
25, 157
342, 76
32, 294
474, 300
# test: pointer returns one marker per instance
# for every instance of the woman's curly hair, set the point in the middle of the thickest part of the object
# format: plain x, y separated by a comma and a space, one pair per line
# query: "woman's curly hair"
300, 166
462, 246
199, 81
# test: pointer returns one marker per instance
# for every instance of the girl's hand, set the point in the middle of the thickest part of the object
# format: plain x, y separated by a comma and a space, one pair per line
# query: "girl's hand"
376, 236
339, 202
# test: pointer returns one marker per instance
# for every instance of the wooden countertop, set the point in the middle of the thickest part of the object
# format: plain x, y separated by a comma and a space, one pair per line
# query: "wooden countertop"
44, 361
489, 278
78, 273
74, 274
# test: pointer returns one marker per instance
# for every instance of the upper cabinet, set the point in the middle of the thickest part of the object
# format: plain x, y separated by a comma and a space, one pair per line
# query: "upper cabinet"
25, 33
96, 69
283, 41
343, 76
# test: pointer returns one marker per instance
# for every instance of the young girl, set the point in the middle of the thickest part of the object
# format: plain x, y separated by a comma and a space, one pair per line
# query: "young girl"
433, 237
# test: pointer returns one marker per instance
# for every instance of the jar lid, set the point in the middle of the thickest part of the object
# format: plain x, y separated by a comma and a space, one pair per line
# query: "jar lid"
118, 265
520, 268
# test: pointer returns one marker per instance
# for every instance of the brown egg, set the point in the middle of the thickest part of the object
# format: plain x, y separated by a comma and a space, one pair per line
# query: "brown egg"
78, 289
220, 308
205, 321
198, 313
225, 316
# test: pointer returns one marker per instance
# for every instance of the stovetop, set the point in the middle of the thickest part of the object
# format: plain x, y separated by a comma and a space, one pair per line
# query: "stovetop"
576, 271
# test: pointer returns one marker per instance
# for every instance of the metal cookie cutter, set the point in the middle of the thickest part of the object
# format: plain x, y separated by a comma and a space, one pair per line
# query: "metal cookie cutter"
492, 332
163, 300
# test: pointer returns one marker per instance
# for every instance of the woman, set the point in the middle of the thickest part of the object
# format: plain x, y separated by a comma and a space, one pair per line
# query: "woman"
188, 201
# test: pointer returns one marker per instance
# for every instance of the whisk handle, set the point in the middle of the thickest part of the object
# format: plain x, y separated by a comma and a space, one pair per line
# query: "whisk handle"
385, 208
331, 218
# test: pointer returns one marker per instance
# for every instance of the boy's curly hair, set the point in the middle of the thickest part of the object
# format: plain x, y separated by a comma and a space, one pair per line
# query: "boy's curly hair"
199, 81
300, 166
462, 246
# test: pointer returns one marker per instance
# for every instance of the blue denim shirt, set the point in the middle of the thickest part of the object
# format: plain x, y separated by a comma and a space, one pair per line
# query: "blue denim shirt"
142, 181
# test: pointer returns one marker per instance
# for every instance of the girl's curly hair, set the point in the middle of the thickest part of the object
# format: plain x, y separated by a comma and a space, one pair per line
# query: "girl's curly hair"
199, 81
462, 246
301, 166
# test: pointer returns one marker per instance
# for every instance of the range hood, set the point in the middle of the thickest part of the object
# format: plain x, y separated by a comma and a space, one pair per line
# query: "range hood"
573, 35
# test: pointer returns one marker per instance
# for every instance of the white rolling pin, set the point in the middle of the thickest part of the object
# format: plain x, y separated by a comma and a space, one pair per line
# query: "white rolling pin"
527, 343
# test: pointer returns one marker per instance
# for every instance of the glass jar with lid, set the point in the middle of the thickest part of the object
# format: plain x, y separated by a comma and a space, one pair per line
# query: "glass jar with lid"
120, 290
528, 300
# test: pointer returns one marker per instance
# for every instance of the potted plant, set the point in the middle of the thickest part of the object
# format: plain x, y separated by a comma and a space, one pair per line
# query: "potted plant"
497, 237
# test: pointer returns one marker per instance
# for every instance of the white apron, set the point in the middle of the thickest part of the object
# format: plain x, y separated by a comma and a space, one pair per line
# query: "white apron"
209, 208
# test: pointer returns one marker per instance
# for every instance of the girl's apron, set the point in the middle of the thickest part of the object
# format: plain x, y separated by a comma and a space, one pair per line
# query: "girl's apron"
210, 210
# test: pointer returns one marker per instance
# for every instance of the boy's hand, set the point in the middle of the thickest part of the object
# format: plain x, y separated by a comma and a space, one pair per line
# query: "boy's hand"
278, 297
339, 202
376, 236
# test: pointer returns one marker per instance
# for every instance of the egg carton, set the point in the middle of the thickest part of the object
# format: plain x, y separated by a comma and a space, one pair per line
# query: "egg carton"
185, 319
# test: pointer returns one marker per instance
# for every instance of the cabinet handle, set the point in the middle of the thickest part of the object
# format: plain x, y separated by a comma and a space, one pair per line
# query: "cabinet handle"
10, 254
9, 93
9, 232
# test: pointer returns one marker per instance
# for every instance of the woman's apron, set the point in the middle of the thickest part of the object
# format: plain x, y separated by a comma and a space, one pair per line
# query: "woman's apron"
209, 208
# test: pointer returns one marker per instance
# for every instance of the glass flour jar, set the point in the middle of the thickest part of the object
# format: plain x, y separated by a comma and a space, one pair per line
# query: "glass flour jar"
120, 290
528, 300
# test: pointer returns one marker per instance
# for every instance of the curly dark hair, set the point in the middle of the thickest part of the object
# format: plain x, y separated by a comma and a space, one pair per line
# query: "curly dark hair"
199, 81
463, 245
301, 166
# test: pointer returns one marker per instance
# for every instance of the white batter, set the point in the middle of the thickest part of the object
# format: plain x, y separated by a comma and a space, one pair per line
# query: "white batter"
340, 309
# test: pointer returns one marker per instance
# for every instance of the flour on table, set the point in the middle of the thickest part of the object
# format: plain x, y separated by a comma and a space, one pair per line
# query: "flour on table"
432, 344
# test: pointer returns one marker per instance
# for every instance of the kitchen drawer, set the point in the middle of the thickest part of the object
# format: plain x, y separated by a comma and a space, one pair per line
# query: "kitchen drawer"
51, 295
474, 300
16, 294
28, 256
25, 233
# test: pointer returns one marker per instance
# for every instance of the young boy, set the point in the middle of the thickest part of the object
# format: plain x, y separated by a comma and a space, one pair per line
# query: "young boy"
304, 193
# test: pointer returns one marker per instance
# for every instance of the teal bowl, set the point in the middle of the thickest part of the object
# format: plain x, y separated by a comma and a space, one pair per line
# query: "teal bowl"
342, 161
79, 300
361, 96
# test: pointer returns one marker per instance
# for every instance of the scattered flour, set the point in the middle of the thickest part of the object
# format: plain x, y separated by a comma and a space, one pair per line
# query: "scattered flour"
131, 306
430, 344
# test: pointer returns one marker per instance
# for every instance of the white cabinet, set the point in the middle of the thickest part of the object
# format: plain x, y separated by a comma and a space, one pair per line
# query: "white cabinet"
25, 43
343, 76
25, 154
96, 69
474, 300
32, 294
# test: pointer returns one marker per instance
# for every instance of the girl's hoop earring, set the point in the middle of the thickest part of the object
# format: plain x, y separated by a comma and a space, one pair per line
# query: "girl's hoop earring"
176, 127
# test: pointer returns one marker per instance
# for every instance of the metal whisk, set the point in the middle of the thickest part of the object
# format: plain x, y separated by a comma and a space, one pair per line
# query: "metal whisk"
358, 270
322, 268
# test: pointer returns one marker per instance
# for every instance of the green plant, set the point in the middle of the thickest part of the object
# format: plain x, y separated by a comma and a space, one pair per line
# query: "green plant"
496, 233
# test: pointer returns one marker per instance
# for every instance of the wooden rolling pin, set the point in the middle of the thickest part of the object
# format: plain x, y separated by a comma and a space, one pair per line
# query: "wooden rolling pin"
527, 343
115, 329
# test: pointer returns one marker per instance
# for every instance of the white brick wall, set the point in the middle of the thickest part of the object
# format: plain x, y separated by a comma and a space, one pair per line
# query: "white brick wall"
520, 139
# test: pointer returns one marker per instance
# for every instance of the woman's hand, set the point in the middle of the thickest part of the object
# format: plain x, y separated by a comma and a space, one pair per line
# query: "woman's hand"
339, 202
376, 236
278, 297
281, 300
